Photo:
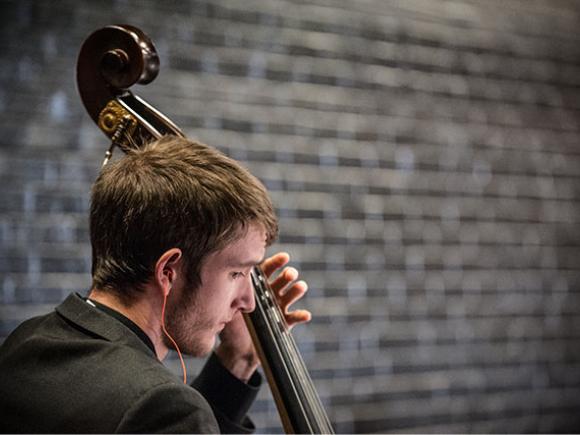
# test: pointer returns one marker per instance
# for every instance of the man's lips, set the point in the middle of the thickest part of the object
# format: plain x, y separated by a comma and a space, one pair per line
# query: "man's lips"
223, 324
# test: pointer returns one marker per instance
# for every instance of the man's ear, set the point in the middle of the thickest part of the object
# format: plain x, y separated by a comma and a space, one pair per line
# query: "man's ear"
167, 269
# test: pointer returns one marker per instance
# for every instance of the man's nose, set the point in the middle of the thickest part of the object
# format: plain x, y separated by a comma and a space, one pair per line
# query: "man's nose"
247, 303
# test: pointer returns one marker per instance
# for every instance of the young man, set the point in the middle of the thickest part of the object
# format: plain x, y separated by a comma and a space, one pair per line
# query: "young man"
176, 228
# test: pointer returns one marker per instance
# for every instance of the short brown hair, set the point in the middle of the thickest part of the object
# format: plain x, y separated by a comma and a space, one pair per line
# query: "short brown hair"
173, 192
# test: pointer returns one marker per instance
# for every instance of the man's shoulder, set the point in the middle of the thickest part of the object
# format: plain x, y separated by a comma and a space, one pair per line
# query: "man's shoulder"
59, 374
24, 332
93, 346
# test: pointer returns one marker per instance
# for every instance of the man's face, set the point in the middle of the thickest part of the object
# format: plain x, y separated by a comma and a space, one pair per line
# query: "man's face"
195, 316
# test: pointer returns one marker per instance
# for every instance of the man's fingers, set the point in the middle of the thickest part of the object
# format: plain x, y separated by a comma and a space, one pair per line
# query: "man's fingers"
291, 295
296, 317
286, 288
284, 280
270, 265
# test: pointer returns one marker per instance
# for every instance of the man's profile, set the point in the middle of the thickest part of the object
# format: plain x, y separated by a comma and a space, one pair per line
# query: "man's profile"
176, 228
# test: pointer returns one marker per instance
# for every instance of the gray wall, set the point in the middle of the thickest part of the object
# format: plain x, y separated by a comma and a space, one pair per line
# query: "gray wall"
424, 159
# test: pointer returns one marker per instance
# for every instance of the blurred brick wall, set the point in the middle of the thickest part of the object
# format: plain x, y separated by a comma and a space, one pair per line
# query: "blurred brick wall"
424, 158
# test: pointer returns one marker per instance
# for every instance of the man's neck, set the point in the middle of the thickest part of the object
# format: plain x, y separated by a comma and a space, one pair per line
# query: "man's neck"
144, 312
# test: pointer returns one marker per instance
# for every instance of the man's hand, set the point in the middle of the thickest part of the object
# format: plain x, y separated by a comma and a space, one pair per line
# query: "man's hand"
236, 350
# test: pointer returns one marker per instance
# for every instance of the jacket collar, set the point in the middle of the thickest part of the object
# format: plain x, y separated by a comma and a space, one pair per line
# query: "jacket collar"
77, 311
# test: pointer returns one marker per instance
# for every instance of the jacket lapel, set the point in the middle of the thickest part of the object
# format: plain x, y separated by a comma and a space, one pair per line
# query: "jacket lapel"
94, 322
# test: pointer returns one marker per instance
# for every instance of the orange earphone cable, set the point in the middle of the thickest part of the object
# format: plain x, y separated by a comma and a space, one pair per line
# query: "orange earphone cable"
172, 340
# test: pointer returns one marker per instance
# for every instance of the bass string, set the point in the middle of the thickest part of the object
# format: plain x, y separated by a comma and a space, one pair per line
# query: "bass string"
296, 369
275, 337
304, 380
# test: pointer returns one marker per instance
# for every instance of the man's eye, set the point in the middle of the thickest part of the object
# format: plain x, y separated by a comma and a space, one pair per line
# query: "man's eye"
236, 275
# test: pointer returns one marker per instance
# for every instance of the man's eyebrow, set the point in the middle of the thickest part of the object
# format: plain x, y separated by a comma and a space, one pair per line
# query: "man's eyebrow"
249, 263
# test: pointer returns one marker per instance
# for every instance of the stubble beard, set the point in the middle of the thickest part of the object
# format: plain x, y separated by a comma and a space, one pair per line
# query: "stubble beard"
188, 325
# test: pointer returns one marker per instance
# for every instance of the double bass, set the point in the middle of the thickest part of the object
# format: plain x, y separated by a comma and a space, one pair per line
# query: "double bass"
110, 61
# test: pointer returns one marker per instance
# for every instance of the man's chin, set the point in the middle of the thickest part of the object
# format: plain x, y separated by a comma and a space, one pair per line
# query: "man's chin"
203, 349
197, 349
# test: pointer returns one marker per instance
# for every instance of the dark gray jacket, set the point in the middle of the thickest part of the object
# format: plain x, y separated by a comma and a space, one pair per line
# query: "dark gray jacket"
80, 370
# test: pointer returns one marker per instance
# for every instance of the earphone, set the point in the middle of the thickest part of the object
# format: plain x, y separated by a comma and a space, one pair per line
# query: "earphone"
184, 370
